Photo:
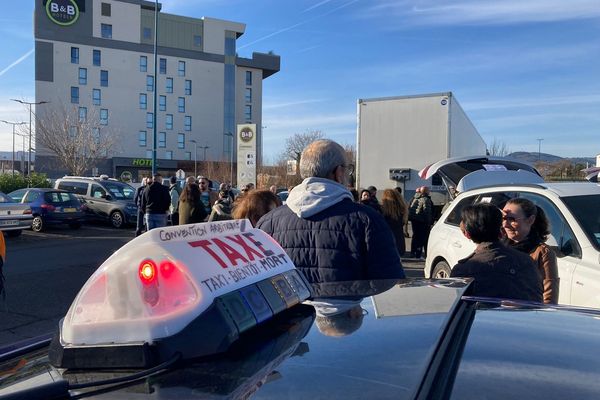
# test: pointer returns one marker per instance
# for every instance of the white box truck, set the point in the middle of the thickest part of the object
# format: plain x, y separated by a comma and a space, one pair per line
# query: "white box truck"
399, 136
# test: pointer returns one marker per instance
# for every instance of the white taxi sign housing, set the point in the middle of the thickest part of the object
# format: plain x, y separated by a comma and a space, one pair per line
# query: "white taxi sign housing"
161, 281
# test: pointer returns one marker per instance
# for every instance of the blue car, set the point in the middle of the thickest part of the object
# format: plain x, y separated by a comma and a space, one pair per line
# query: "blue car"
50, 207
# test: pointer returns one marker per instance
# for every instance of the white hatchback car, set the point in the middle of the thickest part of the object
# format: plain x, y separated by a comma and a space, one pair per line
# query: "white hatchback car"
573, 210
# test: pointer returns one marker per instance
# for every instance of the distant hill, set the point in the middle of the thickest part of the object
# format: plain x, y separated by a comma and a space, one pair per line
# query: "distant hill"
531, 158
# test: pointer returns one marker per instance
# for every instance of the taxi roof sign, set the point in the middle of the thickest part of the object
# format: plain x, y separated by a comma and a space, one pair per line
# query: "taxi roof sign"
162, 282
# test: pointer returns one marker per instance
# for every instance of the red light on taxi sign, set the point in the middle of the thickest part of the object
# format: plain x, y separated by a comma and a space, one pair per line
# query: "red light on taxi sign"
166, 269
147, 272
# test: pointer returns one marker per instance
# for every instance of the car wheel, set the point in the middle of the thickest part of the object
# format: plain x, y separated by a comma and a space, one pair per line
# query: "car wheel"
116, 219
75, 225
37, 225
441, 270
14, 233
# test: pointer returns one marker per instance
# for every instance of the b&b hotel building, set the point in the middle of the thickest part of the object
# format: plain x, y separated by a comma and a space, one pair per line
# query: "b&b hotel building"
97, 57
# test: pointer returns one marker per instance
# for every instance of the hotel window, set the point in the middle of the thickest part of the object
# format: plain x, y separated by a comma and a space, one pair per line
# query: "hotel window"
149, 120
83, 76
187, 123
249, 78
103, 78
143, 101
162, 103
142, 138
188, 155
74, 95
169, 155
188, 87
97, 58
147, 33
96, 134
162, 139
106, 9
163, 66
143, 63
82, 114
181, 68
181, 104
103, 116
96, 97
248, 95
197, 41
149, 83
248, 112
169, 85
106, 31
72, 132
181, 141
169, 121
74, 55
148, 153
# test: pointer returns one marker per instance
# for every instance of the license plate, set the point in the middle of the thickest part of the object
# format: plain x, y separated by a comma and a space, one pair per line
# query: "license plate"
10, 222
69, 209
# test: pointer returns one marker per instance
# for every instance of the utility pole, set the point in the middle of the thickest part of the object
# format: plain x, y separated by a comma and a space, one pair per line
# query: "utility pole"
540, 148
195, 157
13, 142
154, 117
29, 104
204, 147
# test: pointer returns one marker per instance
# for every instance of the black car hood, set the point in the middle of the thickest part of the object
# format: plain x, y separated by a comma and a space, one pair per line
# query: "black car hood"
509, 350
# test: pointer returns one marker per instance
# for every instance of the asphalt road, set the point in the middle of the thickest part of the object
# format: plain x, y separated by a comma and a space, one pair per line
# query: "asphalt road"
44, 272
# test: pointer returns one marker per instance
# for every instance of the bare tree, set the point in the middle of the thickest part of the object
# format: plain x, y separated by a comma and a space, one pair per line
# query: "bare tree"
498, 148
76, 138
295, 145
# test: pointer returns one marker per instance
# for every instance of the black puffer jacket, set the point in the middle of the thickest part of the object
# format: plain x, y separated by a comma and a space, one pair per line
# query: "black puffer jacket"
345, 242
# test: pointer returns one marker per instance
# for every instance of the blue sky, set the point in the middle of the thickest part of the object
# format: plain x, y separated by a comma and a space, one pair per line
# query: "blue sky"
521, 69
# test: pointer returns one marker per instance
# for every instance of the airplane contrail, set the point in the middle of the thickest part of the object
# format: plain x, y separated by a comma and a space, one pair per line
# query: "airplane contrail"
17, 62
317, 5
297, 24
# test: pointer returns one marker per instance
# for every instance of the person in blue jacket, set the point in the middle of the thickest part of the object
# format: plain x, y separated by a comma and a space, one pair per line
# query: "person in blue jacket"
325, 233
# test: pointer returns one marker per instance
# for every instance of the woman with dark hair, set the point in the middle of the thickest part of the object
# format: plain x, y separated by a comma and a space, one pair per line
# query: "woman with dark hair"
395, 212
191, 208
527, 230
367, 200
254, 204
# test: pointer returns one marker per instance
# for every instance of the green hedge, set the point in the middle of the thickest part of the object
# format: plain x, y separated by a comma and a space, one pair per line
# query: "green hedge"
8, 183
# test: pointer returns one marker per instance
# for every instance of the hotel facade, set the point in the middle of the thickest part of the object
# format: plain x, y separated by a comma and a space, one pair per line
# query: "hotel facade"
96, 58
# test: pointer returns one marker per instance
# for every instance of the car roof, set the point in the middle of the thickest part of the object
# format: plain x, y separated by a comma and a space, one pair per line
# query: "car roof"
560, 189
407, 330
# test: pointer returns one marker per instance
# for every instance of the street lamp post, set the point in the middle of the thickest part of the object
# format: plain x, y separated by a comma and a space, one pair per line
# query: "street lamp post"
539, 148
29, 103
231, 154
195, 157
155, 117
204, 147
13, 141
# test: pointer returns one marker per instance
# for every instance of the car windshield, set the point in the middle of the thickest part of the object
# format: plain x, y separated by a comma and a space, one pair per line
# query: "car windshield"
120, 191
586, 211
5, 199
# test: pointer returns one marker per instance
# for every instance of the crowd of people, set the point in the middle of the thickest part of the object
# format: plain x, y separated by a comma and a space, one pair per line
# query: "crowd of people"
334, 233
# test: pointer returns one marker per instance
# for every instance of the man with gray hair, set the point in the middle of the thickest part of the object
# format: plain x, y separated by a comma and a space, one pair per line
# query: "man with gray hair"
326, 234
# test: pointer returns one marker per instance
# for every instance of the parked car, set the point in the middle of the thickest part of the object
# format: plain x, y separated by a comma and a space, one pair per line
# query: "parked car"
14, 217
572, 209
106, 199
50, 207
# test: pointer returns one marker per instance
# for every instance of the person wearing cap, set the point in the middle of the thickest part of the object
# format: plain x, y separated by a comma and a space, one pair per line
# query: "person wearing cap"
155, 203
326, 234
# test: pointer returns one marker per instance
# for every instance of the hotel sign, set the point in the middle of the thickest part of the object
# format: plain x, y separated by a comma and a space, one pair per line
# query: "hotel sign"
62, 12
141, 162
